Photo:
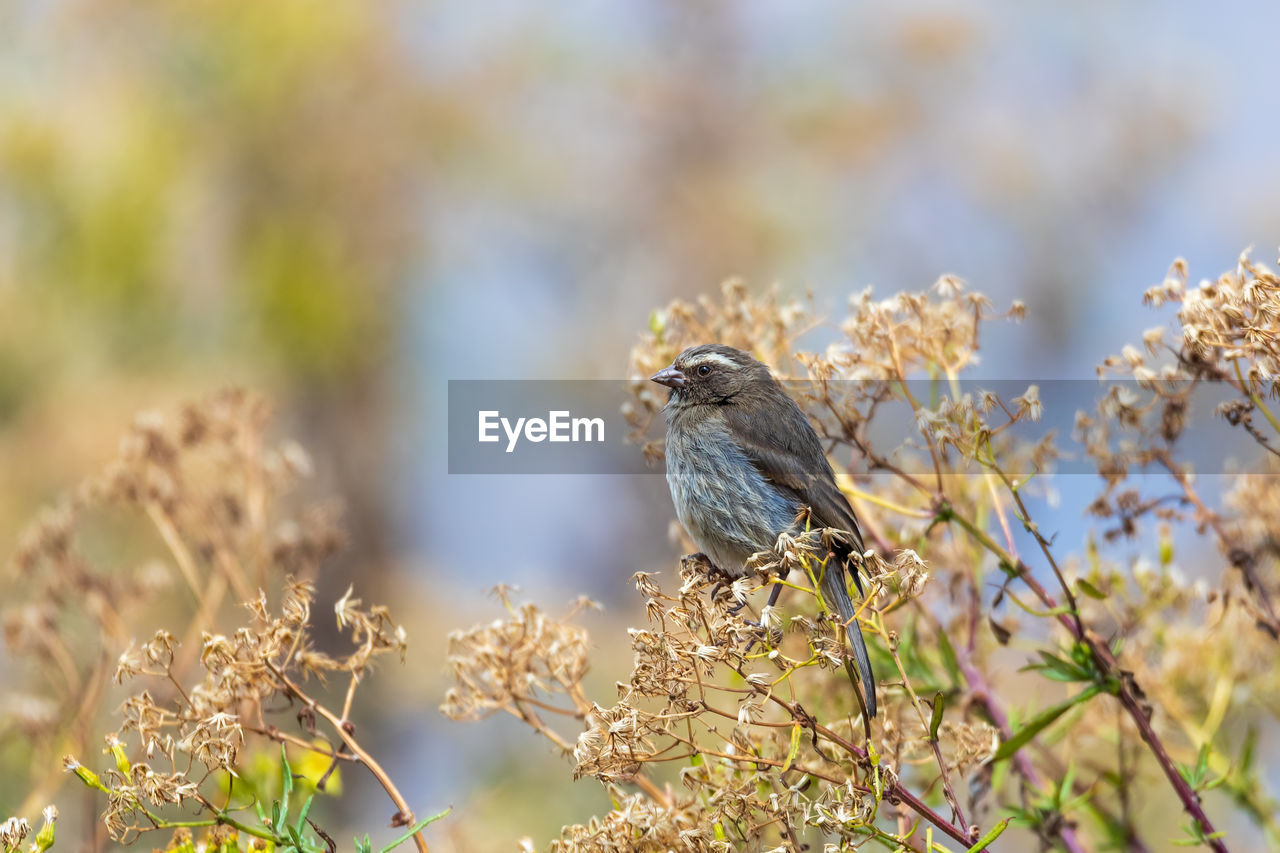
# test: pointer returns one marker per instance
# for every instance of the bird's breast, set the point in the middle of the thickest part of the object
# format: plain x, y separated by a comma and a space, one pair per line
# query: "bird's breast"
729, 509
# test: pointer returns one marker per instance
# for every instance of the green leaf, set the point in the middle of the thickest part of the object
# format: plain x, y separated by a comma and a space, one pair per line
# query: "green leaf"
1202, 760
302, 815
1198, 776
280, 808
939, 704
364, 845
794, 750
1064, 789
1090, 590
415, 829
286, 778
1060, 669
1196, 835
991, 836
1042, 721
1060, 610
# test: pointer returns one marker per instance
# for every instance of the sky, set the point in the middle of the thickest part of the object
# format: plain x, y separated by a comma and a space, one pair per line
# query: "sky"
1060, 153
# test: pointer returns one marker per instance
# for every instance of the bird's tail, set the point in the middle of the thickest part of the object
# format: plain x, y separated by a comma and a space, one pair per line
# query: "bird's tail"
836, 592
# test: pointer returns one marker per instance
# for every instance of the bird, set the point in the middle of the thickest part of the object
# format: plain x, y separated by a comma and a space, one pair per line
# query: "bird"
743, 462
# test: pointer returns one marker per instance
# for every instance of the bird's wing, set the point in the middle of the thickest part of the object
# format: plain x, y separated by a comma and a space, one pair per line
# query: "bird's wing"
789, 454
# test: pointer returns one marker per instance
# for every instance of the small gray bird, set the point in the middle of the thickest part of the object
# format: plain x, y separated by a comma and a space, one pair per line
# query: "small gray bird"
742, 461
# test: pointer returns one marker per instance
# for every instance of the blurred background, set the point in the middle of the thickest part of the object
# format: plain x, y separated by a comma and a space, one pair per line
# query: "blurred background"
346, 206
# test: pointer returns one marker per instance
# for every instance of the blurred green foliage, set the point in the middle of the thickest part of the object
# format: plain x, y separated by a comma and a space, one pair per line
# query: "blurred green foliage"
209, 178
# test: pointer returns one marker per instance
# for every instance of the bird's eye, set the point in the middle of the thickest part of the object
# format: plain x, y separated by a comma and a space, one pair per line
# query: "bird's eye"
704, 370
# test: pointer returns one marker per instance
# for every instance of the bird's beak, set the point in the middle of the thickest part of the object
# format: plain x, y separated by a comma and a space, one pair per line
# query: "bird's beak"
670, 377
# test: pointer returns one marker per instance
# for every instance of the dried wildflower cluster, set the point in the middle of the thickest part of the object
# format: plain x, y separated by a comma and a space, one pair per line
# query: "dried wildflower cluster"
507, 665
1025, 689
706, 683
1228, 323
643, 823
15, 830
885, 343
192, 734
1228, 345
1032, 697
200, 502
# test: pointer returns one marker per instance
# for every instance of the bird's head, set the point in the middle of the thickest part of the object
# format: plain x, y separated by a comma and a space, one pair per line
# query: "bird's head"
712, 374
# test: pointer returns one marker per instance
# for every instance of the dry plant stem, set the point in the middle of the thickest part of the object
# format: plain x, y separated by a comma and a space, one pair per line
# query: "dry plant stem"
351, 695
56, 650
172, 540
533, 720
1125, 693
654, 793
89, 693
915, 408
182, 555
282, 737
341, 727
210, 601
1241, 384
904, 823
1000, 514
895, 792
1246, 386
230, 567
256, 501
849, 436
1025, 516
981, 690
789, 831
953, 380
744, 759
1244, 562
641, 781
943, 771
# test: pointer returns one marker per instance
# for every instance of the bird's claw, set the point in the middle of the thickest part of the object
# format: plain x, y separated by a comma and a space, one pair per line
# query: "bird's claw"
702, 562
774, 635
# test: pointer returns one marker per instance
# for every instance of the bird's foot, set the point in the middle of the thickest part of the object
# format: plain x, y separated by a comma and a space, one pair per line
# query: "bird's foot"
762, 632
702, 563
721, 589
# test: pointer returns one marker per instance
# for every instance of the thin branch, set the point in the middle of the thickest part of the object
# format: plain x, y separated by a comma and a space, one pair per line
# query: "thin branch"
344, 731
1127, 692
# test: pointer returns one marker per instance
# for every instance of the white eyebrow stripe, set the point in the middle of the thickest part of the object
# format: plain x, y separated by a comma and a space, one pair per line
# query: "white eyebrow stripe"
714, 358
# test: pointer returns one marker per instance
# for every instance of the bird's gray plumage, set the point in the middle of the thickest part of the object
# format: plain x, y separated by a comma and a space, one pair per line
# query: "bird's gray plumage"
742, 461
